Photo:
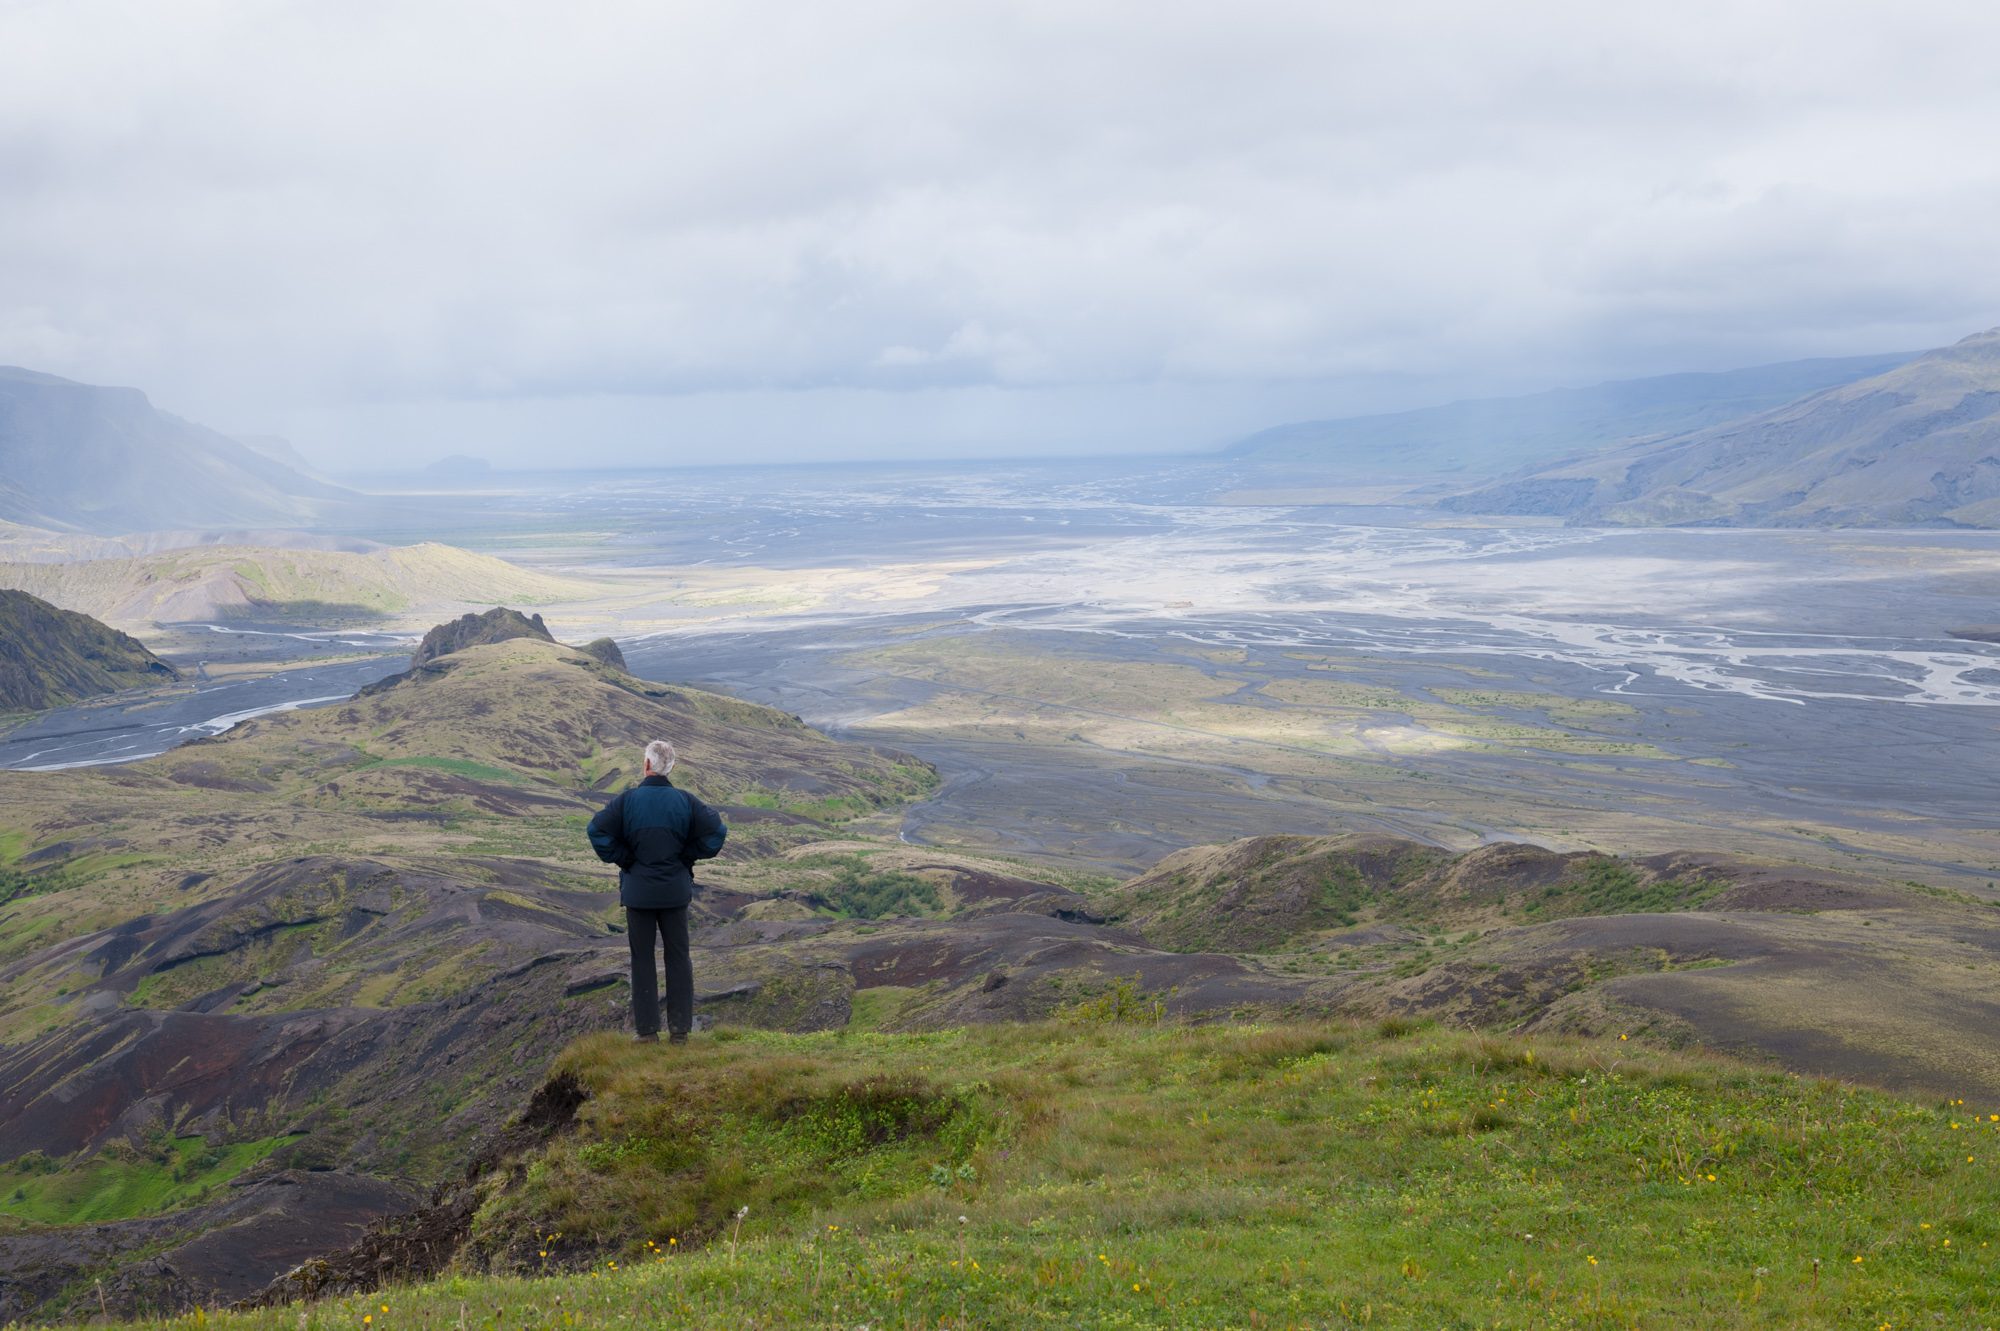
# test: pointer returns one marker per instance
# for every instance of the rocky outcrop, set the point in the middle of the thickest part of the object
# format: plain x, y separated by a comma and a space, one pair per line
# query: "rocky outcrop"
497, 625
501, 624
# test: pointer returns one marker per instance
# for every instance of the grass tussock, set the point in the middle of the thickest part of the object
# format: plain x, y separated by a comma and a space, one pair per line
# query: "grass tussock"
1167, 1176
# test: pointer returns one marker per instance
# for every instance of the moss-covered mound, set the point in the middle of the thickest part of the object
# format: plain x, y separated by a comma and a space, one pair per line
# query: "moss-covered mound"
1281, 892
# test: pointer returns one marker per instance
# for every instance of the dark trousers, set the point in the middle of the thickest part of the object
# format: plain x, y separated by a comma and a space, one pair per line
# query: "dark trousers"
672, 928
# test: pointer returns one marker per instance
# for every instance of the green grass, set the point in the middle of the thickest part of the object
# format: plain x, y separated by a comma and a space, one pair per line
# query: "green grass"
14, 883
456, 766
904, 781
872, 1009
856, 890
1165, 1176
121, 1182
1613, 887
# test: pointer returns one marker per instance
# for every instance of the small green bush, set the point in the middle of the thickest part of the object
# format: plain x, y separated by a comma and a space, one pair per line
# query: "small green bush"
1122, 1002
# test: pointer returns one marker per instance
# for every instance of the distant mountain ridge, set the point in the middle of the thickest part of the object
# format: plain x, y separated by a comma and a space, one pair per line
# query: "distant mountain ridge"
50, 656
1490, 437
81, 457
1917, 445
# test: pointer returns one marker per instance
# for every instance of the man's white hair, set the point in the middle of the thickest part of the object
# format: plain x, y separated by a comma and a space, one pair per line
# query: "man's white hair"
661, 755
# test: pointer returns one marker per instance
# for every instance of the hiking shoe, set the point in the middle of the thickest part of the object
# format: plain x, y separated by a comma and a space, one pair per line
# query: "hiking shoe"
678, 1037
646, 1039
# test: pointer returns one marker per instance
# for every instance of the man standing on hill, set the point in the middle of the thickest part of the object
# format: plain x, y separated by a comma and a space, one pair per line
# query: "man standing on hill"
654, 833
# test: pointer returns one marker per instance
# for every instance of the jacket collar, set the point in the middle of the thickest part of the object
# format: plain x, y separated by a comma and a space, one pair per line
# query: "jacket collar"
655, 780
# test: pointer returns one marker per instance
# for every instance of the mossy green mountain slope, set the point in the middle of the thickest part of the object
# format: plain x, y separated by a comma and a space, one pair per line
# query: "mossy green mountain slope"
502, 749
50, 656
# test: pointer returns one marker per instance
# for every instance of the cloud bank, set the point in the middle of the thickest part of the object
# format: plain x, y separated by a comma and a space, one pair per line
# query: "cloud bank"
788, 230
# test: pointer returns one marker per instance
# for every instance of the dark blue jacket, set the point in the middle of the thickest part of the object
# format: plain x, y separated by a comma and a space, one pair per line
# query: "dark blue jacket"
654, 833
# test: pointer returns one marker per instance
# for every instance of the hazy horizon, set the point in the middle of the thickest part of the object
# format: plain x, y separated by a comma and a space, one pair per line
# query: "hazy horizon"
390, 233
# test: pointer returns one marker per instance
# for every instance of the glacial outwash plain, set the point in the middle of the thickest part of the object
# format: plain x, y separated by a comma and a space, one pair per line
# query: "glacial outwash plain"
1148, 901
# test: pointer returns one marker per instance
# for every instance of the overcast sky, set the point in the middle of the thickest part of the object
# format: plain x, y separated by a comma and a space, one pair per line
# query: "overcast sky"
658, 232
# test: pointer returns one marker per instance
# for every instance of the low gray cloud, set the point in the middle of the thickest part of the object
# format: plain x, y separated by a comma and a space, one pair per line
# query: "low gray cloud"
797, 230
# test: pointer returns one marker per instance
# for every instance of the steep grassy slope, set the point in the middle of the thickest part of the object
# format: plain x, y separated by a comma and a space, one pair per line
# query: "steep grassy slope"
84, 458
1492, 436
241, 583
49, 656
1919, 444
1118, 1175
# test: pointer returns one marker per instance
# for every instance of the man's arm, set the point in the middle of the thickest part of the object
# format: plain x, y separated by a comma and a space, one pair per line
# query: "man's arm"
607, 834
706, 833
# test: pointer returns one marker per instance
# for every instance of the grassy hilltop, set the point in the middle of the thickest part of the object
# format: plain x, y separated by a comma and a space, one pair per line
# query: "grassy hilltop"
1107, 1172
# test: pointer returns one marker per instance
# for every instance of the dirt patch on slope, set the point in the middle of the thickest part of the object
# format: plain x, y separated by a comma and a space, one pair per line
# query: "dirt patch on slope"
419, 1244
219, 1251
